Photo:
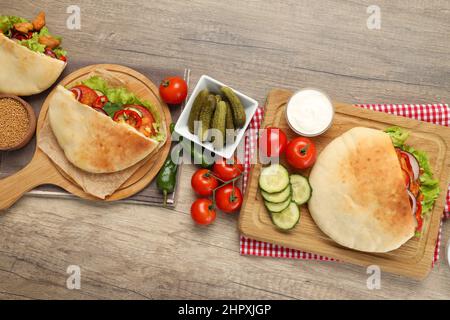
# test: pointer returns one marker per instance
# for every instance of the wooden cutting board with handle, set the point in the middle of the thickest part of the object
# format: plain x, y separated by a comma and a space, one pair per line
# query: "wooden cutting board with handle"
414, 258
41, 170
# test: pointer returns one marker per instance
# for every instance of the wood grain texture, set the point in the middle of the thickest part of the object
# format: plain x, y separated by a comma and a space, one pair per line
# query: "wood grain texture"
130, 251
413, 258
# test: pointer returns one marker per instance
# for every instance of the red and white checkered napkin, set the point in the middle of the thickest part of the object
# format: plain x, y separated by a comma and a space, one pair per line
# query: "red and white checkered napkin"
434, 113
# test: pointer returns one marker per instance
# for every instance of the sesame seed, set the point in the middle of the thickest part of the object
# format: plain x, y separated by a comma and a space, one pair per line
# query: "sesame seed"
14, 123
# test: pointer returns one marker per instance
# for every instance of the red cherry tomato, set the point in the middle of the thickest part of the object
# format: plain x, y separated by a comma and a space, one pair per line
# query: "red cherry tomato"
301, 153
173, 90
129, 117
100, 102
419, 216
148, 120
202, 211
203, 182
229, 198
227, 171
63, 58
88, 96
273, 142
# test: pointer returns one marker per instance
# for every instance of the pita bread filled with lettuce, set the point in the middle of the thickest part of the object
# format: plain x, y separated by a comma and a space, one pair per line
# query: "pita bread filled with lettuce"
102, 126
371, 192
32, 58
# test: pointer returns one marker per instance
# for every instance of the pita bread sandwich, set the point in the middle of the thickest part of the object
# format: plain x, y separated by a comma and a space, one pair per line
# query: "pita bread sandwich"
102, 127
370, 190
32, 59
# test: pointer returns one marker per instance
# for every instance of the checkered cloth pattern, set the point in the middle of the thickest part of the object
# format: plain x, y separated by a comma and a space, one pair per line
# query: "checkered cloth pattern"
434, 113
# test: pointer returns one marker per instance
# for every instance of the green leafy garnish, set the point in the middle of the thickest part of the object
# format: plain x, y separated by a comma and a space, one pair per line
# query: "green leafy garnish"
429, 187
111, 108
33, 43
116, 95
8, 22
398, 135
60, 52
122, 96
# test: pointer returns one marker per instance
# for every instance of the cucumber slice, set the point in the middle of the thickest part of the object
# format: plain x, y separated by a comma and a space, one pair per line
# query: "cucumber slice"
277, 207
301, 189
288, 218
274, 178
277, 197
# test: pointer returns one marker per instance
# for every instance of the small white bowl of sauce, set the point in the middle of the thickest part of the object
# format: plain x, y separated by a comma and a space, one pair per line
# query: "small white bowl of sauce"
309, 112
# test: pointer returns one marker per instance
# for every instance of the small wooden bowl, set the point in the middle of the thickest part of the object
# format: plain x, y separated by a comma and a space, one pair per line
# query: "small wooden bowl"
31, 127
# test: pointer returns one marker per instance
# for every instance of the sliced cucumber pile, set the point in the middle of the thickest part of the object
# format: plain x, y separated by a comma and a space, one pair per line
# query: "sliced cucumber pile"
274, 178
277, 197
283, 194
301, 189
288, 218
278, 207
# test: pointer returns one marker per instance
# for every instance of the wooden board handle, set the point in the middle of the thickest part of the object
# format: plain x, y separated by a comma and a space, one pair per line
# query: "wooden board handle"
13, 187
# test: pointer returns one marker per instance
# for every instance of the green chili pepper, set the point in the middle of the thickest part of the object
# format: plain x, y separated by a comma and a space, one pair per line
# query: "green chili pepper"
167, 176
166, 179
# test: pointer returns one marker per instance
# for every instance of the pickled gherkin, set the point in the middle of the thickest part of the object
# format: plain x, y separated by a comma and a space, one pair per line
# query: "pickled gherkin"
196, 109
229, 125
218, 123
218, 98
205, 116
239, 116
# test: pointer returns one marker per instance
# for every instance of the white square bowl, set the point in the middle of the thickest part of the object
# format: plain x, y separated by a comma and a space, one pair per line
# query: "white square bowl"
181, 127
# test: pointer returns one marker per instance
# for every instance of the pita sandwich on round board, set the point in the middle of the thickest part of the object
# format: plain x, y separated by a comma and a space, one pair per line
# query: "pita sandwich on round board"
30, 62
359, 197
91, 140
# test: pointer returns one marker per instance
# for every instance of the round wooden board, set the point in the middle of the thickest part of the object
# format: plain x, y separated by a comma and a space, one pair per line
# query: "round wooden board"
143, 88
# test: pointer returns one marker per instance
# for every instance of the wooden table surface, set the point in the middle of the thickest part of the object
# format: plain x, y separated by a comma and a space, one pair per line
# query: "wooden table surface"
130, 251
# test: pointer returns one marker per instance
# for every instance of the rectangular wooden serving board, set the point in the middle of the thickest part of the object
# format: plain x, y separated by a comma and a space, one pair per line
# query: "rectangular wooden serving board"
414, 258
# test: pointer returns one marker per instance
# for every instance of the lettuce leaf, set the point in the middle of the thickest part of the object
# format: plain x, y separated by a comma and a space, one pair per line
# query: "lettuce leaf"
429, 186
97, 83
398, 135
60, 52
115, 95
122, 96
7, 23
111, 108
33, 43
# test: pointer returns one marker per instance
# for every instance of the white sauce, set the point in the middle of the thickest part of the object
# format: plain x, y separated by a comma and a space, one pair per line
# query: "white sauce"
309, 112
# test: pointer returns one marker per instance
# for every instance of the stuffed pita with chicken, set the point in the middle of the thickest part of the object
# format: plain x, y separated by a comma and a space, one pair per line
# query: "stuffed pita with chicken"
32, 59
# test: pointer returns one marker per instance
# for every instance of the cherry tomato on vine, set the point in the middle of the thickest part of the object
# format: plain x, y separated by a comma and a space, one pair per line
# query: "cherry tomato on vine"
203, 182
173, 90
229, 198
228, 171
202, 211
